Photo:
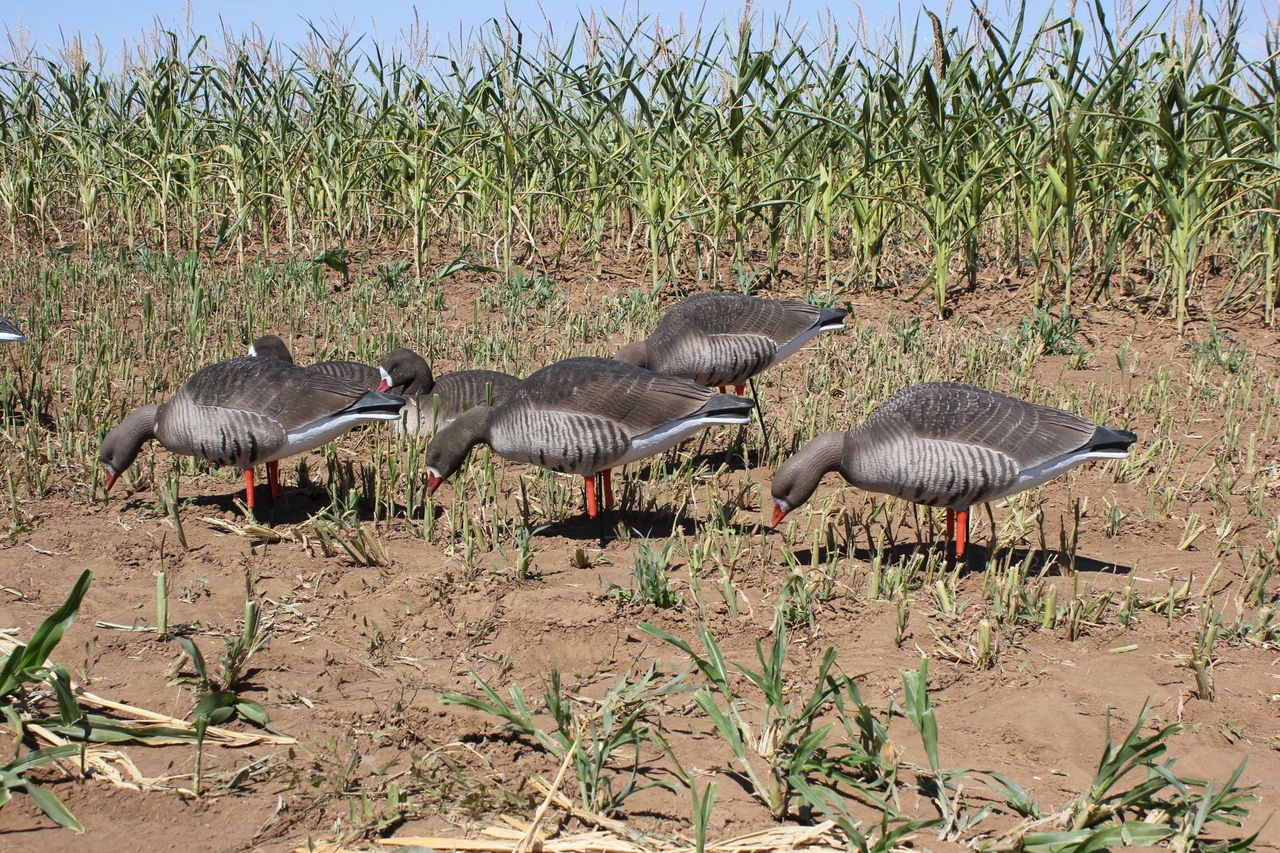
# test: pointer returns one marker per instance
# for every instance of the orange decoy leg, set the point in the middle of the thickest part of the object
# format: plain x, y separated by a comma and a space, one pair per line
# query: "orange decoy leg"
273, 478
962, 532
607, 475
951, 526
720, 388
593, 509
738, 389
248, 487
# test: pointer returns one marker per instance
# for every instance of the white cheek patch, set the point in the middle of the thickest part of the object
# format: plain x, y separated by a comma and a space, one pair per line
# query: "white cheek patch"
434, 473
386, 377
253, 351
781, 504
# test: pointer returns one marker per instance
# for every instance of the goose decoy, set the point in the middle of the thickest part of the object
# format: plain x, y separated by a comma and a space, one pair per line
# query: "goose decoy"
949, 445
245, 412
724, 339
585, 416
406, 373
10, 332
271, 346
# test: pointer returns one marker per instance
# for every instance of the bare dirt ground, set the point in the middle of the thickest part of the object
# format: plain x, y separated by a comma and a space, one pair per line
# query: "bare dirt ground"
360, 656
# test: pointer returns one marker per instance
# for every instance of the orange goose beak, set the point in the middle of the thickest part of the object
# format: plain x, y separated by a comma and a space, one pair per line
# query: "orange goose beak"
382, 386
778, 514
433, 483
111, 480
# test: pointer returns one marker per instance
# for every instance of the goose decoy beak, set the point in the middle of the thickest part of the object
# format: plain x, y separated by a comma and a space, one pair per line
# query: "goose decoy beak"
780, 511
385, 384
111, 480
433, 482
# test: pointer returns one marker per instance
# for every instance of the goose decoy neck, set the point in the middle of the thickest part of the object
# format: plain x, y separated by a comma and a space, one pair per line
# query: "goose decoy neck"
634, 353
449, 448
406, 373
270, 346
798, 477
120, 446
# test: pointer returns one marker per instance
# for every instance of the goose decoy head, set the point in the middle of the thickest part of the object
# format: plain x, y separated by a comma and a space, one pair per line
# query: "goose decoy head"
798, 477
270, 346
406, 373
10, 332
120, 446
449, 448
633, 353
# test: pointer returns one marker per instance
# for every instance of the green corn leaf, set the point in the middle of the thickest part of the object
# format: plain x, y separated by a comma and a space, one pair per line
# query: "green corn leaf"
53, 807
25, 663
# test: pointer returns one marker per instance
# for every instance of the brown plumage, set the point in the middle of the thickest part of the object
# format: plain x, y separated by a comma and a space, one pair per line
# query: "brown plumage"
722, 339
585, 416
949, 445
433, 403
245, 412
364, 375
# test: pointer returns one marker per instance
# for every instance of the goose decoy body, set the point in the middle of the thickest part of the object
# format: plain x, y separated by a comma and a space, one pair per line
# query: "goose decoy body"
364, 375
406, 373
246, 412
10, 332
722, 339
950, 445
585, 416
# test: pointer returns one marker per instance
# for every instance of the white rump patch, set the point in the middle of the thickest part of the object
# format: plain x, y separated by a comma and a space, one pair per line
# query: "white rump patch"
792, 346
324, 431
1032, 477
665, 437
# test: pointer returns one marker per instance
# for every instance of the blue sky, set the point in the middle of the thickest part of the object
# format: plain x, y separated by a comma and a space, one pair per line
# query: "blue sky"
47, 21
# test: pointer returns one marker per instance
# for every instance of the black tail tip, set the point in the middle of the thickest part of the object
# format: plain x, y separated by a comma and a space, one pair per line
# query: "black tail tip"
1106, 438
831, 316
728, 404
381, 400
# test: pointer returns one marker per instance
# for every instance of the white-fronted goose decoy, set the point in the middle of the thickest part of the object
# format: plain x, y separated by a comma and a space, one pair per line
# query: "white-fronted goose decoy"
585, 416
406, 373
246, 412
271, 346
949, 445
10, 332
724, 339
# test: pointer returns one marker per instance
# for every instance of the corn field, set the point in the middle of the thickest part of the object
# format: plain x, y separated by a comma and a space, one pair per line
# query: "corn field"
1092, 159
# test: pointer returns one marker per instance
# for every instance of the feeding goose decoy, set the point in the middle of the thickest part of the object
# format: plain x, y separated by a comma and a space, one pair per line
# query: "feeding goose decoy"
722, 339
585, 416
406, 373
10, 332
949, 445
364, 375
246, 412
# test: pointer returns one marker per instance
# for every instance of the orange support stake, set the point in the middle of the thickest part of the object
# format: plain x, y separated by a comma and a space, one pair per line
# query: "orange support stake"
592, 509
273, 478
248, 487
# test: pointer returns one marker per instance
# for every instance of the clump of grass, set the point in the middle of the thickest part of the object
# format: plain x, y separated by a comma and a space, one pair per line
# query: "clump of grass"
651, 584
1055, 334
27, 665
594, 736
